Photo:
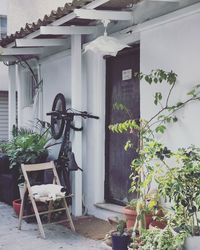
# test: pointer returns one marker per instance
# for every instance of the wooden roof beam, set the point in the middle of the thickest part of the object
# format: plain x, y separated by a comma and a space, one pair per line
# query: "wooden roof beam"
20, 51
67, 30
44, 42
103, 14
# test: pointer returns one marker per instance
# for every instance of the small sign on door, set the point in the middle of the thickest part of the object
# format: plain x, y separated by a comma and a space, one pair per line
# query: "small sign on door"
127, 74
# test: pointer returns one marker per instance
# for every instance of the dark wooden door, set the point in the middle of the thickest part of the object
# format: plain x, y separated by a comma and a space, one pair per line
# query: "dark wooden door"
121, 87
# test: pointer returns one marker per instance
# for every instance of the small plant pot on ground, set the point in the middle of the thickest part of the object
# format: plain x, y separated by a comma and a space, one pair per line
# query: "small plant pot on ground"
17, 206
120, 242
192, 243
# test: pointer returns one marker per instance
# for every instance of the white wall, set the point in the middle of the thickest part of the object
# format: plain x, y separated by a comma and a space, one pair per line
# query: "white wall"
174, 46
21, 12
4, 7
56, 75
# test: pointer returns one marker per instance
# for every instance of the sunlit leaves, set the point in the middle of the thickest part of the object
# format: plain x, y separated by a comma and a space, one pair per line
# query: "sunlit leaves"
125, 126
128, 145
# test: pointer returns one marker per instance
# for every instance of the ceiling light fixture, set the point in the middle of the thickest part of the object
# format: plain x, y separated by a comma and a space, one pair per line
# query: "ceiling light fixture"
105, 45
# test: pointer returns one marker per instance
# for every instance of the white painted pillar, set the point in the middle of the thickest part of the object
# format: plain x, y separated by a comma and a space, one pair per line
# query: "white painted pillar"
76, 103
11, 99
19, 95
40, 103
98, 108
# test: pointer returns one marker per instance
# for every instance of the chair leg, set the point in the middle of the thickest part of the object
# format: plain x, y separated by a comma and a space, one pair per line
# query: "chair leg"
69, 216
37, 217
22, 208
50, 208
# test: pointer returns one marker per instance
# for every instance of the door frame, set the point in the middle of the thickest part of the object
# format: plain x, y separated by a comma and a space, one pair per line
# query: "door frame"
107, 115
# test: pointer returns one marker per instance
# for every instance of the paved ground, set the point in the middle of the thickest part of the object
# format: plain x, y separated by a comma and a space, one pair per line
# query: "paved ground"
57, 236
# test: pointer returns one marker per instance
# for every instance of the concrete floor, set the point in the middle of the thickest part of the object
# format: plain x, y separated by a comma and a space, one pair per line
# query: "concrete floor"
57, 236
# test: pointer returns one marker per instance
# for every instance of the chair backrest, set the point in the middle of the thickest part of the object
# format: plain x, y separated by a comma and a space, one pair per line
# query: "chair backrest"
38, 167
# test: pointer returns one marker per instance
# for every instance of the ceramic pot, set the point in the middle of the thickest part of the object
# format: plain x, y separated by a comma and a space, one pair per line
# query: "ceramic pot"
130, 217
17, 206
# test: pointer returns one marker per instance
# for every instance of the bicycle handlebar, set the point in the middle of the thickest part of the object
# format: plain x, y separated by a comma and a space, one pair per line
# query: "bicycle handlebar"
66, 114
53, 113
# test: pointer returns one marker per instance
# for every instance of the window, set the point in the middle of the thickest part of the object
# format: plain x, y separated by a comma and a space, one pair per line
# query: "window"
29, 88
3, 26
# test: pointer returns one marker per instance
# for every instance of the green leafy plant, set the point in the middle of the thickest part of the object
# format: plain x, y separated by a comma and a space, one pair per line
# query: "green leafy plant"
121, 227
26, 147
132, 204
181, 186
151, 154
166, 239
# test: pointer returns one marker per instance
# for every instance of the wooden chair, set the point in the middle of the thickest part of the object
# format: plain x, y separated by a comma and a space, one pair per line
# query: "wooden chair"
27, 188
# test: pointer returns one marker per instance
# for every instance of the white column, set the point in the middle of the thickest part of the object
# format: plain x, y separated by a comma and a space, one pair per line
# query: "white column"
98, 108
19, 96
12, 99
40, 113
76, 102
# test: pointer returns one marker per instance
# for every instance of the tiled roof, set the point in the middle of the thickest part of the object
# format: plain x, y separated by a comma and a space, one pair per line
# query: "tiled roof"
60, 12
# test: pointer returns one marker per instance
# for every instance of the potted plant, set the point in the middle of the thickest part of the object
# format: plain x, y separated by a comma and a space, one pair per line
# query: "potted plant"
149, 210
26, 147
181, 185
166, 239
120, 237
152, 155
130, 213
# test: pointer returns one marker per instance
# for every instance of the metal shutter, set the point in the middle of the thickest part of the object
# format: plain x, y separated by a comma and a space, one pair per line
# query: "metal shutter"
3, 115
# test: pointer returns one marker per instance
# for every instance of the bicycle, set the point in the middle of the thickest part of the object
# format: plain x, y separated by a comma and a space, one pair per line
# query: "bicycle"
62, 121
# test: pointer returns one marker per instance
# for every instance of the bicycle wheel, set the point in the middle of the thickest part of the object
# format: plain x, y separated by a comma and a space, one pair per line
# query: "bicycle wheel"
57, 123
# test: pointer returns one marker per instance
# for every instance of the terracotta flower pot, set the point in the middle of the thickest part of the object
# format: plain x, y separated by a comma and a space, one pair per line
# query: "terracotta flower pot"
17, 206
130, 217
157, 224
149, 219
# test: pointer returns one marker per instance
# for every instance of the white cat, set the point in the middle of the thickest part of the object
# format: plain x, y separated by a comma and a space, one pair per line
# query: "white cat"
48, 190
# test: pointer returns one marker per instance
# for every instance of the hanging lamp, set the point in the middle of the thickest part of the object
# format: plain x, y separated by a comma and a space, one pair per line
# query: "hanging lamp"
105, 45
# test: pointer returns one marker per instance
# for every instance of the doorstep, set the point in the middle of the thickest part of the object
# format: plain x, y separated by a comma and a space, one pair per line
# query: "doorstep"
110, 207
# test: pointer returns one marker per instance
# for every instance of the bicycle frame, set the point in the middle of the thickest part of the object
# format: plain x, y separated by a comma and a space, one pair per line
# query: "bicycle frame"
65, 117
